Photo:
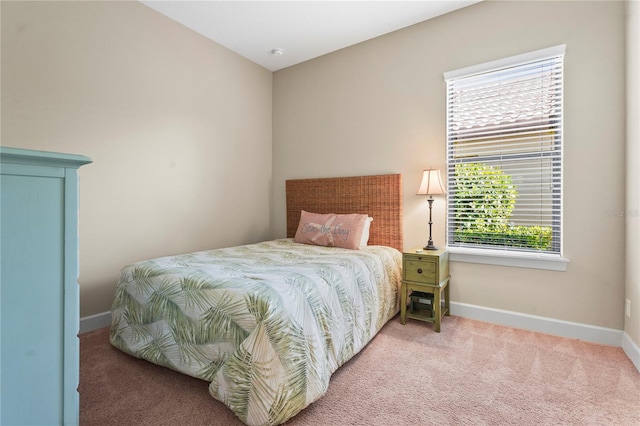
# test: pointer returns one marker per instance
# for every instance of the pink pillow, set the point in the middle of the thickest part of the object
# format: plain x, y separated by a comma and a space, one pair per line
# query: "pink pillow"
331, 230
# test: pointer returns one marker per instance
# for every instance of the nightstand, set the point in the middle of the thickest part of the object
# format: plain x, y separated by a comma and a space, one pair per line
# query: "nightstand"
426, 271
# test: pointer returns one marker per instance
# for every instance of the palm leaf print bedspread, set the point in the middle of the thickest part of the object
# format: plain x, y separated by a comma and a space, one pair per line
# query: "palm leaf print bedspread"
267, 323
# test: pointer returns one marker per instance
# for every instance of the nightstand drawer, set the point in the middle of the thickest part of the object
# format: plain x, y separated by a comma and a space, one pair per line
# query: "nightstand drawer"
420, 271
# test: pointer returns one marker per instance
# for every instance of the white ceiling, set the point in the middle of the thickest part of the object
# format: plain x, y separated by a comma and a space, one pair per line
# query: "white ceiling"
302, 29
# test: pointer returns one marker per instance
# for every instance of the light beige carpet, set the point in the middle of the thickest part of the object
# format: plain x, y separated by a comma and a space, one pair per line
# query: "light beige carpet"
472, 373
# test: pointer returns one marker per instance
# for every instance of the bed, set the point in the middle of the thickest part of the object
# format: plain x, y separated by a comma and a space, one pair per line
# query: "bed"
268, 323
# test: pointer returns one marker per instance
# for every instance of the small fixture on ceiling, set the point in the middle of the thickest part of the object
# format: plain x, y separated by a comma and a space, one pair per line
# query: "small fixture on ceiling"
277, 51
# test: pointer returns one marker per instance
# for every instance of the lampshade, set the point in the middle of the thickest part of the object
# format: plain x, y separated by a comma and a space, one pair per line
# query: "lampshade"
431, 183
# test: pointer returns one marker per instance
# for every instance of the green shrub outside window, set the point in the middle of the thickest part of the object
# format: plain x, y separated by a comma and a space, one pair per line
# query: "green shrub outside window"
484, 200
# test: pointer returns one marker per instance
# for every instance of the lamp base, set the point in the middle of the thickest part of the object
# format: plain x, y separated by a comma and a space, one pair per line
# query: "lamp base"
430, 245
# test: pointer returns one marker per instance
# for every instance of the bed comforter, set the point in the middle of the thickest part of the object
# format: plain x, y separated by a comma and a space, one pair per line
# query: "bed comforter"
267, 324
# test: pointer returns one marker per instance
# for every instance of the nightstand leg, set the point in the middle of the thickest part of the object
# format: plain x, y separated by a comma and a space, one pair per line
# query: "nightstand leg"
446, 300
403, 303
436, 309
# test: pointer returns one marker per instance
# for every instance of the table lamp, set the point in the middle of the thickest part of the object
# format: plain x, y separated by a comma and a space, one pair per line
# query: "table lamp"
431, 185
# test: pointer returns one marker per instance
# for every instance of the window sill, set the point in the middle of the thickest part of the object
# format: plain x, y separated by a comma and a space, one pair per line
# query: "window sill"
487, 257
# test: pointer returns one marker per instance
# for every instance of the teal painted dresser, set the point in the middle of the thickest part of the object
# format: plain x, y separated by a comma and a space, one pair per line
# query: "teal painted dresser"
39, 292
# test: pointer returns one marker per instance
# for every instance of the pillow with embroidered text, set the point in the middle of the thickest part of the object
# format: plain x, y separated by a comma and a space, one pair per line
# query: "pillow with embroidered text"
331, 230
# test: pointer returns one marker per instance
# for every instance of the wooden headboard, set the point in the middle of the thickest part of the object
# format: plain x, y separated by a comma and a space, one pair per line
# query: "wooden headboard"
379, 196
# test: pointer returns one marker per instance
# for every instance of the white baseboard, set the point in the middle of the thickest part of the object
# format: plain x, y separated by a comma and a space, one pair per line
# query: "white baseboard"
573, 330
94, 322
632, 350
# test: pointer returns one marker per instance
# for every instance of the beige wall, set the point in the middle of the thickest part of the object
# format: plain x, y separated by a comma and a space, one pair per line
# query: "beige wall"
180, 132
378, 107
632, 285
178, 127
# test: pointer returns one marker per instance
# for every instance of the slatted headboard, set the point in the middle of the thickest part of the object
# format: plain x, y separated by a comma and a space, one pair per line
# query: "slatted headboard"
379, 196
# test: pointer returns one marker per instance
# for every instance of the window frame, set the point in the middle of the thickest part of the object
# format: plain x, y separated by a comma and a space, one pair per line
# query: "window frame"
504, 255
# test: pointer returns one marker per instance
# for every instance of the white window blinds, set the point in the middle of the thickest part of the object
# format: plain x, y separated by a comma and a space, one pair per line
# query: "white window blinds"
504, 154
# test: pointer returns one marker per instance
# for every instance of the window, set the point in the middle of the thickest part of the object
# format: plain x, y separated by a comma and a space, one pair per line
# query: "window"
504, 155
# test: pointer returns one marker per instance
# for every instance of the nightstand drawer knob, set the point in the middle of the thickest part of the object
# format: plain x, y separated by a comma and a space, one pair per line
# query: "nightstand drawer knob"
419, 270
